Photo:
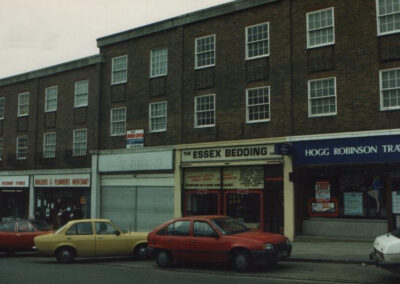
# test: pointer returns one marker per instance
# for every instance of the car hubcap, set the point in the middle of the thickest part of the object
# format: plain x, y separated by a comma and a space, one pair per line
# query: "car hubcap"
65, 255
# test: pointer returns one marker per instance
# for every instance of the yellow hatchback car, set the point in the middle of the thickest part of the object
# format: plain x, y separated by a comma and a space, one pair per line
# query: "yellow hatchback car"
91, 238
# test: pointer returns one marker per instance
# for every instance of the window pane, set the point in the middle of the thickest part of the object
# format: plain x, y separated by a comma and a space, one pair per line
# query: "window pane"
322, 96
390, 82
158, 116
119, 69
22, 148
81, 93
118, 121
159, 62
257, 40
80, 142
258, 105
320, 28
205, 110
205, 51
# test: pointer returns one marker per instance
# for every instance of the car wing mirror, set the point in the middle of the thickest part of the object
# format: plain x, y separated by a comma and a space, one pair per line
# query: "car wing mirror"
117, 233
215, 235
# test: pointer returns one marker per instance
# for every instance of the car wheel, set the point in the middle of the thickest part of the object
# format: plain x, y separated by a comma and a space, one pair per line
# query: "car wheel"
163, 258
140, 252
65, 255
241, 261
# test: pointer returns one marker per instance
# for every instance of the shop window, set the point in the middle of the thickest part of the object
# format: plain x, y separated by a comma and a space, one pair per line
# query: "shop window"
179, 228
202, 204
244, 207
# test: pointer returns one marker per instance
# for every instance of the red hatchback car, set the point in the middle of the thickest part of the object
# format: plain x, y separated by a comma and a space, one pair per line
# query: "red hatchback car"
215, 239
17, 235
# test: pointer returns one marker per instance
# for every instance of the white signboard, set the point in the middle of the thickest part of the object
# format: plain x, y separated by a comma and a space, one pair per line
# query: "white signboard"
14, 181
77, 180
253, 152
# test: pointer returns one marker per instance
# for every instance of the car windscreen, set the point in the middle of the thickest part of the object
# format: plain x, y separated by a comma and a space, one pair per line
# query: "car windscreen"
41, 225
396, 233
229, 226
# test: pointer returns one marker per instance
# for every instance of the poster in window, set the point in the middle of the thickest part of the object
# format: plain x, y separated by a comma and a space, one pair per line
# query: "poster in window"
322, 190
353, 203
396, 202
243, 178
202, 179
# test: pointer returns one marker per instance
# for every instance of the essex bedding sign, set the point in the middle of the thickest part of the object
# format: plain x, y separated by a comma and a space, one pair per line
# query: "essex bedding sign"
254, 152
348, 150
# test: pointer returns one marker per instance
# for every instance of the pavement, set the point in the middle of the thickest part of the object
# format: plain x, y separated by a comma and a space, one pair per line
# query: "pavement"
316, 249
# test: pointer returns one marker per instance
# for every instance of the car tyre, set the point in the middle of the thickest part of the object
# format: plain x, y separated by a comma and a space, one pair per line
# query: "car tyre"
163, 258
65, 255
241, 261
140, 252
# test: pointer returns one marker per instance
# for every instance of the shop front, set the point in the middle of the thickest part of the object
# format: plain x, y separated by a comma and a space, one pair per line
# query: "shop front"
347, 187
134, 188
244, 182
14, 197
62, 197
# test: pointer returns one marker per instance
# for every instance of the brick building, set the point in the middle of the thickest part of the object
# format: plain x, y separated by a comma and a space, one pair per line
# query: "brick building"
283, 114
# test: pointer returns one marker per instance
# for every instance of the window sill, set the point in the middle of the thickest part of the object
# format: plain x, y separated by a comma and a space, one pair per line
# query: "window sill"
321, 45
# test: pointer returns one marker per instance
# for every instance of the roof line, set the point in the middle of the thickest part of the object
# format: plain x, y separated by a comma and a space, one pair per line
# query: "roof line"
70, 65
182, 20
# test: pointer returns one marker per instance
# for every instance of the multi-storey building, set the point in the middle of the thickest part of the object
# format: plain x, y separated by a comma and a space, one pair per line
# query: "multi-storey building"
49, 123
283, 114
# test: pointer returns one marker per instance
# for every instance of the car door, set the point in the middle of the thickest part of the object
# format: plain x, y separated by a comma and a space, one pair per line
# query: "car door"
109, 240
7, 235
80, 236
206, 244
24, 236
177, 239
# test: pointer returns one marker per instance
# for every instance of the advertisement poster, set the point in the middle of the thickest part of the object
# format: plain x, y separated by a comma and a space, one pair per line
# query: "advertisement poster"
240, 178
353, 203
322, 191
134, 138
326, 207
396, 202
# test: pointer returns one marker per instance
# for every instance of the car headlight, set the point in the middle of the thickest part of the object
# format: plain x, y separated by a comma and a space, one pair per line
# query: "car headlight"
268, 246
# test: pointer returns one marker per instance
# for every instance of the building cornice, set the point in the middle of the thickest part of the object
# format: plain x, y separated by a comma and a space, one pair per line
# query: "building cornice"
182, 20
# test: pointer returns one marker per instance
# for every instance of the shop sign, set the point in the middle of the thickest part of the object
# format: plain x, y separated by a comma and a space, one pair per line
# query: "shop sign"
255, 152
78, 180
134, 138
14, 181
237, 178
348, 150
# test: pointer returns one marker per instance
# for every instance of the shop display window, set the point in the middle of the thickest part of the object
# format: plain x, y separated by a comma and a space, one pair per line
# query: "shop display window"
201, 203
245, 207
347, 193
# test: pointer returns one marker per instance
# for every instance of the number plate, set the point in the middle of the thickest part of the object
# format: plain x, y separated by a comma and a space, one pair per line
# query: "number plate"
283, 253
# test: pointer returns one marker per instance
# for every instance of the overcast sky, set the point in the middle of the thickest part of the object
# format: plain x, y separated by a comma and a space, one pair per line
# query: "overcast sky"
41, 33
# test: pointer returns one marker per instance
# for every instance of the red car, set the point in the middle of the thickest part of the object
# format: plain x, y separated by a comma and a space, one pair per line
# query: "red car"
215, 239
17, 235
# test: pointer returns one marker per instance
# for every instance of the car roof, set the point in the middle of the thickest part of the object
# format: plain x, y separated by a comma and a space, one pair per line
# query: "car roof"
89, 220
200, 217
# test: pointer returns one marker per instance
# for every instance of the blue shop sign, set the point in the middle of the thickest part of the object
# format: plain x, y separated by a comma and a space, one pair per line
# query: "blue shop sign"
373, 149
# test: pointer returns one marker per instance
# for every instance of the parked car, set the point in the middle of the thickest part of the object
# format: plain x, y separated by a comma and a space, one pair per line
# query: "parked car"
386, 252
215, 239
91, 238
17, 235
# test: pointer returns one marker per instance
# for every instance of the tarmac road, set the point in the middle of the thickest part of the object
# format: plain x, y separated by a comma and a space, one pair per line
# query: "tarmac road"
28, 268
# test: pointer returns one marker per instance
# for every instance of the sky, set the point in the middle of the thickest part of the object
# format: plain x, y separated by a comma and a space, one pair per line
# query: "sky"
40, 33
